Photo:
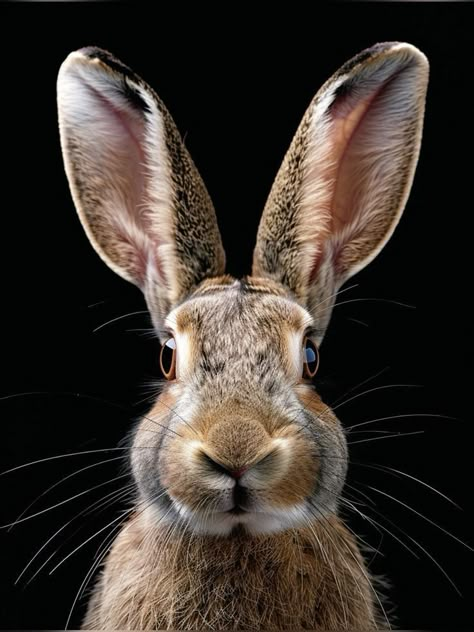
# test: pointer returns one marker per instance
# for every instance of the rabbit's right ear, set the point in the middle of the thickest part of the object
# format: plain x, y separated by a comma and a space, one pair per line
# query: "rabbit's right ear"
139, 196
345, 179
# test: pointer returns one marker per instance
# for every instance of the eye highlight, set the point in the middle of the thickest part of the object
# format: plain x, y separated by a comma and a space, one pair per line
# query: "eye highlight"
310, 358
168, 359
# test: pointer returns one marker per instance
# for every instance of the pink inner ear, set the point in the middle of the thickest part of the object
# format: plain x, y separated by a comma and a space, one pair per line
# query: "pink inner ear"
347, 123
119, 154
347, 115
366, 138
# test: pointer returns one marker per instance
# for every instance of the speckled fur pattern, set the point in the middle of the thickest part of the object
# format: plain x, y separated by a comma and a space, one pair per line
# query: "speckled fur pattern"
298, 579
168, 214
344, 183
239, 466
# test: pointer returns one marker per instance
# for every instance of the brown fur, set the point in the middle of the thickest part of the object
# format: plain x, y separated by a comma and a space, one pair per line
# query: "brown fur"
308, 578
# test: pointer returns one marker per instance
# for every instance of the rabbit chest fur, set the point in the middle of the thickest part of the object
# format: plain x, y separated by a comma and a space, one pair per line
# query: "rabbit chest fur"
309, 578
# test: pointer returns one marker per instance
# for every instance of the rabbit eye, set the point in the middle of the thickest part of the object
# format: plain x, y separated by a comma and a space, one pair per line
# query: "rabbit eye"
310, 358
168, 359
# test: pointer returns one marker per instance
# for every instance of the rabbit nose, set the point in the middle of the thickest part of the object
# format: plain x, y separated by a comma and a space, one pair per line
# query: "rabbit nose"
235, 473
238, 473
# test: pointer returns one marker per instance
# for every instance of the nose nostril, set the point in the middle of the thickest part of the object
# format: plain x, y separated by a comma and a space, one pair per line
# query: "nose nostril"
217, 467
238, 473
222, 469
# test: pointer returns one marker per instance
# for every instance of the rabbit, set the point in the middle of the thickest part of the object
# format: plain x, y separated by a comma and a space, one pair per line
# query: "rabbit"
239, 465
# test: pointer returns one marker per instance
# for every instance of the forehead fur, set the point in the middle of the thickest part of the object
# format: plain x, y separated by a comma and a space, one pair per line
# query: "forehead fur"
239, 330
253, 302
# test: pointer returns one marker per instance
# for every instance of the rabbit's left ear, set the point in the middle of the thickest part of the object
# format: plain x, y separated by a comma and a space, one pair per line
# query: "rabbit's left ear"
139, 196
346, 178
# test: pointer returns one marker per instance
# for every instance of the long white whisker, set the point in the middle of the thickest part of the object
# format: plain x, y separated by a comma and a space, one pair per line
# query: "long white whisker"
410, 508
105, 500
65, 478
63, 502
392, 436
374, 299
68, 454
391, 470
373, 390
114, 320
404, 416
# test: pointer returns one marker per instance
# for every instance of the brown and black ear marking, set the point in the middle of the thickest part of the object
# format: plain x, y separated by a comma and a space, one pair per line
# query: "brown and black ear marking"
138, 193
346, 177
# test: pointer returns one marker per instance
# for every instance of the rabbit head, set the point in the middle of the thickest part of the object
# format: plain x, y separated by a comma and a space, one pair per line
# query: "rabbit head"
238, 438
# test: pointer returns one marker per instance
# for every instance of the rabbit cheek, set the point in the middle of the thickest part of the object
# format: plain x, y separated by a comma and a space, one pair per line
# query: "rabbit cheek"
332, 447
152, 440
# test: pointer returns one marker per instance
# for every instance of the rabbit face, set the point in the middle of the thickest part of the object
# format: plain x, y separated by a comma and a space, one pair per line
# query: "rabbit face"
240, 439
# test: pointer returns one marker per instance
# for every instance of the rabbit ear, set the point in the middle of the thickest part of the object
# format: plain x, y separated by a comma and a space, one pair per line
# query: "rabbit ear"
139, 196
346, 178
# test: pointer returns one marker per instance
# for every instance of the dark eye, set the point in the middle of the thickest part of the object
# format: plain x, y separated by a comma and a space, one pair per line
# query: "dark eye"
168, 359
310, 358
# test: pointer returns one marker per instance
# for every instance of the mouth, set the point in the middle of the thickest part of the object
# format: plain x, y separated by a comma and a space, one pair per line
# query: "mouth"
236, 511
254, 521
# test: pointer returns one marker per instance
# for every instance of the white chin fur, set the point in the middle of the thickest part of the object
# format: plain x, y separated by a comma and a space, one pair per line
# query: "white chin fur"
265, 521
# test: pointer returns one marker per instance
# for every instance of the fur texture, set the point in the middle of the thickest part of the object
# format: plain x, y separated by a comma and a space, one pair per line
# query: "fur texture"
346, 177
239, 466
309, 578
138, 193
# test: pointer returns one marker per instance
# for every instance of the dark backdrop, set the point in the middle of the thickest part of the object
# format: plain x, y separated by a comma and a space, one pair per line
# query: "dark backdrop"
237, 88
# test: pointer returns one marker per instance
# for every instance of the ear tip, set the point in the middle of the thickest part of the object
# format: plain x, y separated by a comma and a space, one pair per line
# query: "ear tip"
408, 53
382, 62
98, 57
73, 62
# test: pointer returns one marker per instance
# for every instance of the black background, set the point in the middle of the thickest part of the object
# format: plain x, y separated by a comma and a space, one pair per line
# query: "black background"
237, 86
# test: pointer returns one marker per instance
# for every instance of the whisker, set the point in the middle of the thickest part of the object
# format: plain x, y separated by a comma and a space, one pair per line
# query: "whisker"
373, 390
438, 565
358, 322
95, 565
374, 299
391, 470
410, 508
420, 547
114, 320
362, 570
371, 432
108, 402
404, 416
158, 401
94, 398
337, 293
63, 502
392, 436
97, 303
88, 540
63, 456
83, 469
365, 381
98, 561
376, 523
371, 501
106, 500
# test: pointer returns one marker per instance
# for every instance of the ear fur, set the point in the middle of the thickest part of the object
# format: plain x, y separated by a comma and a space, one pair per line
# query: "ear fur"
347, 175
139, 196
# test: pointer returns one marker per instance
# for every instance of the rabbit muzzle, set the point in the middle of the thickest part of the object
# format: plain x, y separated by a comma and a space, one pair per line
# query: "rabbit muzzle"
232, 471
